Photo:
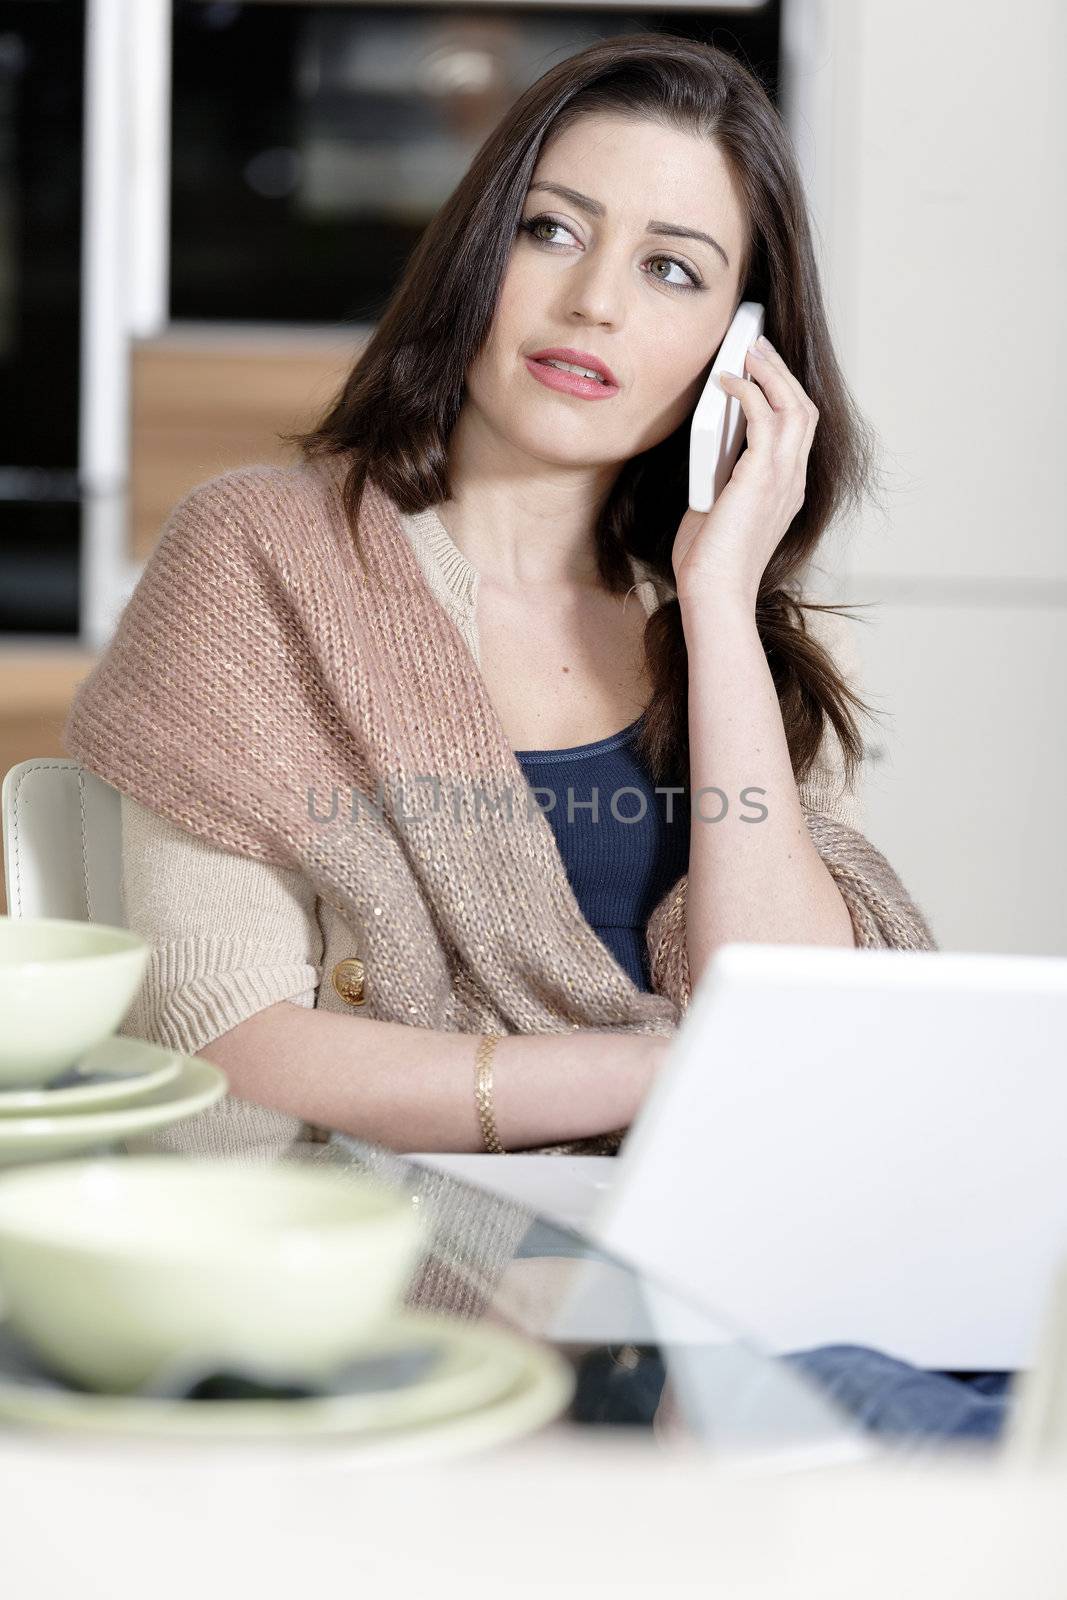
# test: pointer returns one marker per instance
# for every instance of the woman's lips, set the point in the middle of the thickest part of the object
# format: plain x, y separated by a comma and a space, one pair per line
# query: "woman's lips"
570, 382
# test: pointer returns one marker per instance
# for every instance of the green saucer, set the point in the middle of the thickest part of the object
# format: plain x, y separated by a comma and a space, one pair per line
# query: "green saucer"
113, 1073
487, 1385
197, 1085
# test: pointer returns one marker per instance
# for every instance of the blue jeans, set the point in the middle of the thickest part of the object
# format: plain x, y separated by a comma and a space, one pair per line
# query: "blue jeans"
887, 1396
876, 1392
882, 1394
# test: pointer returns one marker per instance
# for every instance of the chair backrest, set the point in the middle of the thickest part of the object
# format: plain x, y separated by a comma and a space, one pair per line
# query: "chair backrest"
62, 842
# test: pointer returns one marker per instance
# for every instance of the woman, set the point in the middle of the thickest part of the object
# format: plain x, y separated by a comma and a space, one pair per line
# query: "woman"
439, 590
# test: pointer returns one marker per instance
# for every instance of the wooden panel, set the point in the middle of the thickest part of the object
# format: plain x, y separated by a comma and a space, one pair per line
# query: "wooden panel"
205, 401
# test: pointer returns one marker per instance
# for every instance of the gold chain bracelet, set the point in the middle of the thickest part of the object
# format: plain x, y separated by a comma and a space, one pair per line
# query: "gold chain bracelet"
483, 1092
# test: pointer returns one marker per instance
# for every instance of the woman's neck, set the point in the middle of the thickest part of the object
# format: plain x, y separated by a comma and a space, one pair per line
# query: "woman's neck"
522, 524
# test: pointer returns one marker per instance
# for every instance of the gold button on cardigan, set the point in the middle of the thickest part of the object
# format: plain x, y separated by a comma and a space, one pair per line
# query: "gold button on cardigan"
347, 978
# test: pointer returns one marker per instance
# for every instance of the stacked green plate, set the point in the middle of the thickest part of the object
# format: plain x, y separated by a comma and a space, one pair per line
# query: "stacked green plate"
120, 1089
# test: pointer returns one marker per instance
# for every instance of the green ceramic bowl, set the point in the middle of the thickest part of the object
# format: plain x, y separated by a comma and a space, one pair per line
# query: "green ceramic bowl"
114, 1270
64, 987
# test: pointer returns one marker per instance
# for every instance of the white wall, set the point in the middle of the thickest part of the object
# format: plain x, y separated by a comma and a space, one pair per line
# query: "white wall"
933, 139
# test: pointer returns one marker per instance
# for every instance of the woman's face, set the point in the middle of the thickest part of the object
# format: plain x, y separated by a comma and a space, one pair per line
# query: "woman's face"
603, 271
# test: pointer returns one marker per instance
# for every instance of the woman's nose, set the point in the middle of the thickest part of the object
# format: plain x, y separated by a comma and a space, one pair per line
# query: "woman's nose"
595, 291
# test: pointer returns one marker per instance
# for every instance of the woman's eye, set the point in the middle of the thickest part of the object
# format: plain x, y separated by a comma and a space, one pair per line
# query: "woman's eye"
688, 279
534, 223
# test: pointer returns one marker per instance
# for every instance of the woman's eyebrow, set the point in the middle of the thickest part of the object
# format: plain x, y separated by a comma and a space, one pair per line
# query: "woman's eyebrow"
594, 208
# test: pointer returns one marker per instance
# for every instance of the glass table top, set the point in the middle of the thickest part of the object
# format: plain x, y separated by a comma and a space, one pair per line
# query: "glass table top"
644, 1355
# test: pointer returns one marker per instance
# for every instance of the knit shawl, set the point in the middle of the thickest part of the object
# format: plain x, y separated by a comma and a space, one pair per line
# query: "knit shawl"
266, 692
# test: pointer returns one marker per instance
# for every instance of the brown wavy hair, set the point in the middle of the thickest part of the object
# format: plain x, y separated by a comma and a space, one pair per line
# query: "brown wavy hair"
397, 407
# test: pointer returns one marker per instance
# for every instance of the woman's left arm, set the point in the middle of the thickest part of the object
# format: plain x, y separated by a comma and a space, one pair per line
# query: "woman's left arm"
754, 874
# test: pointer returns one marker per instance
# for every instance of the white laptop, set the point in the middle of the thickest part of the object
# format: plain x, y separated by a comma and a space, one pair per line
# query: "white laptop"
844, 1147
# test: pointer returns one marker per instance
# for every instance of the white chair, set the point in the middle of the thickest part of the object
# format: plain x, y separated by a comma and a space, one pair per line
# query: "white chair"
62, 842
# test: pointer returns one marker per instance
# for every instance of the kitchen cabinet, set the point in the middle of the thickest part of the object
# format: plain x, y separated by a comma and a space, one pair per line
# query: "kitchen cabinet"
205, 399
933, 141
967, 768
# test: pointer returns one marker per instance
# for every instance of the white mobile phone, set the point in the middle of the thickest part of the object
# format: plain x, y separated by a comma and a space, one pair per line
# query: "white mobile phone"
718, 428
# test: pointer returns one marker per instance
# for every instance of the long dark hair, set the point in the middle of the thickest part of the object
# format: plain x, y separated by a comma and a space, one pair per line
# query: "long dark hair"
396, 410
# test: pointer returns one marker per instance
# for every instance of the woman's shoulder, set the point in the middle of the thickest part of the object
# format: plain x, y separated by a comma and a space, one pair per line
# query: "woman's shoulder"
217, 530
263, 488
837, 635
655, 589
826, 789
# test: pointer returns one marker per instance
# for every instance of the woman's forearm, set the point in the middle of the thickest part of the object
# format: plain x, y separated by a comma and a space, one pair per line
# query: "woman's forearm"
752, 880
413, 1088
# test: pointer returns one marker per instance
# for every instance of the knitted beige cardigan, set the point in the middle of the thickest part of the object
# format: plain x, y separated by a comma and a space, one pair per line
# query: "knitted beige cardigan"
266, 693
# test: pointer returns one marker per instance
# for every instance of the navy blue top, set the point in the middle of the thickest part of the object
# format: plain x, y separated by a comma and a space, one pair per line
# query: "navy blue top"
621, 864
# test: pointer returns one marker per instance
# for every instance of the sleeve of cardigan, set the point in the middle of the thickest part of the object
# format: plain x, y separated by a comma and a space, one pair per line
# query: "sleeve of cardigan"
229, 936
